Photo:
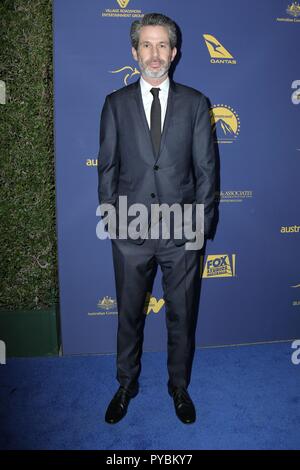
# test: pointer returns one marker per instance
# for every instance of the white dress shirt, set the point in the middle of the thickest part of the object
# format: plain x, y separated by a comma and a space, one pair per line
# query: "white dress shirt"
148, 98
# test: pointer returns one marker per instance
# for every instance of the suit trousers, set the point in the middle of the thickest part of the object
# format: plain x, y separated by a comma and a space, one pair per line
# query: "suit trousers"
135, 267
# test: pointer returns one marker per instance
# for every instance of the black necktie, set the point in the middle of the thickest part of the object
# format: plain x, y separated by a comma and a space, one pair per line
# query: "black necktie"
155, 121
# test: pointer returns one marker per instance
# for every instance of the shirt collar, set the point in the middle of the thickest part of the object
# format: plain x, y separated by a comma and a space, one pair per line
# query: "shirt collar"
146, 87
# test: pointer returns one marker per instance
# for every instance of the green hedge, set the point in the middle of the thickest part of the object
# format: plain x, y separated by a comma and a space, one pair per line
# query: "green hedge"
28, 233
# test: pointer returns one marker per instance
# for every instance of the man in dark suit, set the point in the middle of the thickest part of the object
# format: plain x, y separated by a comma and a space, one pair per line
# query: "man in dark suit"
156, 148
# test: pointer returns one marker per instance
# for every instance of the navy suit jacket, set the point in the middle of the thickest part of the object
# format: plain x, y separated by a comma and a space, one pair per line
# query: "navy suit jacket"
184, 169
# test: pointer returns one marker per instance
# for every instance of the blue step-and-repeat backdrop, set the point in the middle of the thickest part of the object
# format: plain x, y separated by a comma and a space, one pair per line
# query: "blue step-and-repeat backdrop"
244, 56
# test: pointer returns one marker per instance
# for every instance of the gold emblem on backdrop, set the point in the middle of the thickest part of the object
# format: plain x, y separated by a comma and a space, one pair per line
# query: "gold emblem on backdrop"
215, 47
129, 72
218, 53
293, 9
218, 266
123, 3
225, 123
107, 303
152, 304
107, 306
293, 12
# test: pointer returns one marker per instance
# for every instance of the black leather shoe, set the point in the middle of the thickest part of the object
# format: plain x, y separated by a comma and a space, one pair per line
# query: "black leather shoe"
184, 406
117, 408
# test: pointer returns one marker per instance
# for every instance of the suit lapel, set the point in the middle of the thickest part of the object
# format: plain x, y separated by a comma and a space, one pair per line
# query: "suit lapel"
142, 116
169, 112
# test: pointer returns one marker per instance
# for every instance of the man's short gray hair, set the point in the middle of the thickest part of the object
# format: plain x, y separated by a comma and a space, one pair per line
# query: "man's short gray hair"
153, 19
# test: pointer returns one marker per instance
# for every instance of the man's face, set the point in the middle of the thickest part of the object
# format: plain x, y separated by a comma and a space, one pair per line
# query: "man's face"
154, 53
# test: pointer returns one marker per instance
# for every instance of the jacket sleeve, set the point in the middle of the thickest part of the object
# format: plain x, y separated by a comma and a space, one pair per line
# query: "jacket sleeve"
108, 161
204, 162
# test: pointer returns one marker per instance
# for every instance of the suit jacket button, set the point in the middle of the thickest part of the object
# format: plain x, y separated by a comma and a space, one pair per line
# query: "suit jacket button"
152, 195
156, 167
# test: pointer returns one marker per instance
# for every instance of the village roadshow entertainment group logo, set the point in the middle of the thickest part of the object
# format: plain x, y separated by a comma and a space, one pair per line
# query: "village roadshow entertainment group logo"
113, 12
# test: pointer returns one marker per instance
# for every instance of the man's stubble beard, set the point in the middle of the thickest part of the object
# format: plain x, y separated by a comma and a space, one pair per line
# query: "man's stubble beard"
163, 70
